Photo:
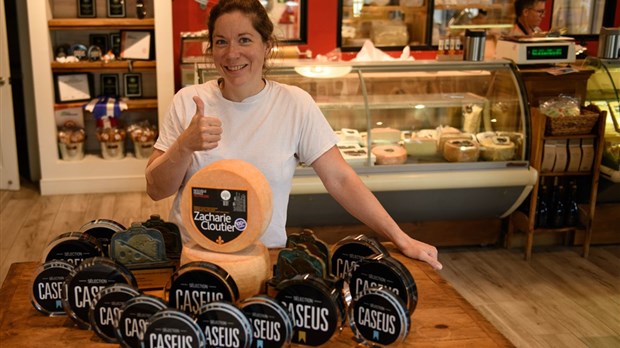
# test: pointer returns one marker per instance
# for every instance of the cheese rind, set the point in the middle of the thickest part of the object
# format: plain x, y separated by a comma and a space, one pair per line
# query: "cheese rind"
250, 268
233, 176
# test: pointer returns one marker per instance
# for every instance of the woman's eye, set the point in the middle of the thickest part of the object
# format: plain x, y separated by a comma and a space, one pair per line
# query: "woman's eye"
245, 40
220, 42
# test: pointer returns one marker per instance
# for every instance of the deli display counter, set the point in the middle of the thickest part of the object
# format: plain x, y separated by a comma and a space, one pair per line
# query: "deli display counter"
432, 140
603, 91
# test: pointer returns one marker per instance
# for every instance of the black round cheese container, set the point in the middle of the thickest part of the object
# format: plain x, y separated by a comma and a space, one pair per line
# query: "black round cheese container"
133, 319
272, 326
378, 317
84, 283
386, 271
172, 328
316, 309
73, 247
103, 230
106, 308
198, 283
224, 325
349, 250
46, 290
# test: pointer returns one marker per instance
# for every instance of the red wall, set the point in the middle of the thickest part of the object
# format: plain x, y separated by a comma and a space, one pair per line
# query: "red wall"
322, 28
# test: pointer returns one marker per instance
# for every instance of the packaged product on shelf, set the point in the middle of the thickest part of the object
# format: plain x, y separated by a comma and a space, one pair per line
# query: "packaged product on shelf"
71, 143
143, 136
561, 156
587, 155
112, 142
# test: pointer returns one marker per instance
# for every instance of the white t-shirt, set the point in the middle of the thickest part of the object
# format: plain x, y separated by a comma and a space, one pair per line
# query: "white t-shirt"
274, 130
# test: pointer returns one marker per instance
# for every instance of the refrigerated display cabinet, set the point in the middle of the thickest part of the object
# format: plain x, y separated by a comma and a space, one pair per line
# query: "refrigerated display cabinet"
603, 91
436, 112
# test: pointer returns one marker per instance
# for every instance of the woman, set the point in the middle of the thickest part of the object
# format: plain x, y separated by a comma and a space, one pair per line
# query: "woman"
270, 125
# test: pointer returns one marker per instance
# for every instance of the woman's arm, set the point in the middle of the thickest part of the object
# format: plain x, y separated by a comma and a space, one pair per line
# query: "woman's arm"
347, 188
165, 170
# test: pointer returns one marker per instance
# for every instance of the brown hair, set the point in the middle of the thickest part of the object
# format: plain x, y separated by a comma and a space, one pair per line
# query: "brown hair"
257, 14
521, 5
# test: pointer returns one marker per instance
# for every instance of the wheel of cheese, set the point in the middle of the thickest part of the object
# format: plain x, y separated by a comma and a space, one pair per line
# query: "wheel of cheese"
226, 206
461, 151
250, 268
390, 154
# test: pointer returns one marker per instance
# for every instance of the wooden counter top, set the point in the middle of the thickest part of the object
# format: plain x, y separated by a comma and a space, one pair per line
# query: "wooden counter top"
442, 317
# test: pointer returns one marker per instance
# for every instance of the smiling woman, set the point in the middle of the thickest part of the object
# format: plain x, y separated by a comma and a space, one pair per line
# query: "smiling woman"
273, 126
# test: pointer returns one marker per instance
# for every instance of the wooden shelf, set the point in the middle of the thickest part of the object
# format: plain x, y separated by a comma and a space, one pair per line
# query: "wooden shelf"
565, 173
101, 23
113, 66
566, 137
132, 104
520, 221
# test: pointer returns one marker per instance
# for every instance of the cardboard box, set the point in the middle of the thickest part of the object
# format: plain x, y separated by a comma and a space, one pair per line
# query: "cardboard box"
587, 155
574, 155
548, 159
561, 156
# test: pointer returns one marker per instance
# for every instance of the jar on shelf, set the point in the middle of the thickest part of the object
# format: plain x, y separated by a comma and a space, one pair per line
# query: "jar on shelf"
112, 142
71, 143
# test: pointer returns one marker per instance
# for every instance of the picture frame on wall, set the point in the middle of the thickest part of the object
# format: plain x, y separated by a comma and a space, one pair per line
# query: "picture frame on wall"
115, 43
132, 83
72, 87
136, 44
109, 85
116, 8
86, 9
99, 40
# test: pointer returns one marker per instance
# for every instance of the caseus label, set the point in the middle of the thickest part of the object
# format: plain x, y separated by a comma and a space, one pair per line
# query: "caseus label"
196, 288
313, 312
220, 215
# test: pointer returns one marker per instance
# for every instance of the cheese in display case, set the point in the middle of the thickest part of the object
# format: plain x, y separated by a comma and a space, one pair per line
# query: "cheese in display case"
393, 119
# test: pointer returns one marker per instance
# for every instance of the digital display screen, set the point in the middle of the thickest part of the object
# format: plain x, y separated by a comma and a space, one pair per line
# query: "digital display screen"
546, 52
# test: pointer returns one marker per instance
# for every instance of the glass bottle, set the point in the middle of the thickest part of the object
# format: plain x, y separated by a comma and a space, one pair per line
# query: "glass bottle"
558, 210
542, 209
572, 208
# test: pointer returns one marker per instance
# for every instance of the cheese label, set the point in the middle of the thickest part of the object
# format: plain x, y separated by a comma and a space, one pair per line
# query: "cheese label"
224, 325
271, 324
379, 316
172, 328
82, 286
197, 284
133, 319
220, 215
46, 294
314, 310
105, 311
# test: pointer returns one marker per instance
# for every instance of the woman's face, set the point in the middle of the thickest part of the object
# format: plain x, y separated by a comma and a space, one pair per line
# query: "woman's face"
239, 52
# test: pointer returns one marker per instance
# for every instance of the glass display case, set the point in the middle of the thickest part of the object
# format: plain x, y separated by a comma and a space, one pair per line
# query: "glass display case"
432, 140
603, 91
417, 23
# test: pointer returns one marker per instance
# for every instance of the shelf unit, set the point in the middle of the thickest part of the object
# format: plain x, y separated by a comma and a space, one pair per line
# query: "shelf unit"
94, 174
525, 221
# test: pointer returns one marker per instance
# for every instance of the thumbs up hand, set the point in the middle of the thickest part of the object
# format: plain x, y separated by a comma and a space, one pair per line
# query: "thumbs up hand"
203, 133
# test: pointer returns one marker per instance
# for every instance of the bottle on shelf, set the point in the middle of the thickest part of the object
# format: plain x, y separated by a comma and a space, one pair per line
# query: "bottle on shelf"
542, 208
558, 210
572, 208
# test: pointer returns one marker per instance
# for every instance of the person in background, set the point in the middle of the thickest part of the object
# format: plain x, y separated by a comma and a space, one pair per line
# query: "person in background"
529, 14
242, 115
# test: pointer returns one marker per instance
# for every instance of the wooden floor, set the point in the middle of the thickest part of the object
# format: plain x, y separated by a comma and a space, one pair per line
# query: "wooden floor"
559, 299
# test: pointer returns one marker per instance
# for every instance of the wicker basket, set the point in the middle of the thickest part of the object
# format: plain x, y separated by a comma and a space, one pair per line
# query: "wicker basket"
572, 125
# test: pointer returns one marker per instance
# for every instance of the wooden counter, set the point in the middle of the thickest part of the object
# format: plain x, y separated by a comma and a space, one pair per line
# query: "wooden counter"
442, 317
